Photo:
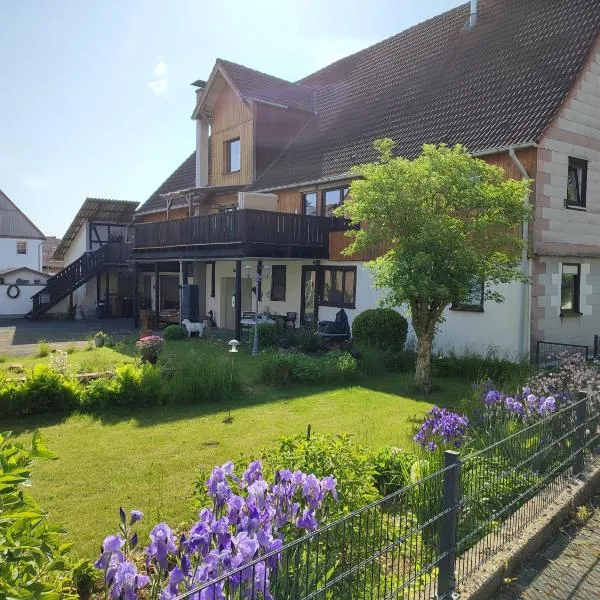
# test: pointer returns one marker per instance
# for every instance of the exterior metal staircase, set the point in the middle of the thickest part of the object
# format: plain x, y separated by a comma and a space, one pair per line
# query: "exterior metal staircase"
65, 282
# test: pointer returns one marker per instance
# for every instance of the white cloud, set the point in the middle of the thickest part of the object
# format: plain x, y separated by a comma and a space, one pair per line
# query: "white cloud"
161, 68
160, 84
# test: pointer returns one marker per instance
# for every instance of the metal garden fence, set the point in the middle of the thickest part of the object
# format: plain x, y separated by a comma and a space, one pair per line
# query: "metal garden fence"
427, 538
549, 354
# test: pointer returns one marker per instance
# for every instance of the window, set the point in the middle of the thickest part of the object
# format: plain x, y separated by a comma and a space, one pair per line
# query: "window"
21, 247
339, 287
569, 289
309, 203
232, 155
333, 198
278, 281
474, 300
577, 183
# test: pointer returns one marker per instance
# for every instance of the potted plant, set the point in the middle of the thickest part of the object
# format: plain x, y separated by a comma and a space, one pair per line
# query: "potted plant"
149, 348
100, 339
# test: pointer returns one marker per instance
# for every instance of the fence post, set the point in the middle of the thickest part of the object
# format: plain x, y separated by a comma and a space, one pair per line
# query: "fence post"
581, 419
448, 525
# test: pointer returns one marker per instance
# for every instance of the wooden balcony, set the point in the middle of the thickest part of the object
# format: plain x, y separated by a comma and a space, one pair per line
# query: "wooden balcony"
239, 233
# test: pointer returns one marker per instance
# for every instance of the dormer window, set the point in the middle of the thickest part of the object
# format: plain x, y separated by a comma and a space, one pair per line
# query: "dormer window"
233, 155
577, 183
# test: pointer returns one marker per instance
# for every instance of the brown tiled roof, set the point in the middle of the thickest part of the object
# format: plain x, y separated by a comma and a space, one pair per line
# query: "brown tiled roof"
496, 85
254, 85
183, 178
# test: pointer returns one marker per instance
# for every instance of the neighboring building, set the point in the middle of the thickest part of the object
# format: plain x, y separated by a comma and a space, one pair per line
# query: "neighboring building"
97, 275
49, 264
20, 258
518, 84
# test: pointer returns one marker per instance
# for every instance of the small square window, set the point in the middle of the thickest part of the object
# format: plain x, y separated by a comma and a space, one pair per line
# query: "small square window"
309, 203
21, 247
577, 183
278, 283
569, 289
233, 155
474, 301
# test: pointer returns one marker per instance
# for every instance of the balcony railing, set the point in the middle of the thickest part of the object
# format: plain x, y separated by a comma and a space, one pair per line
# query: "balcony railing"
246, 226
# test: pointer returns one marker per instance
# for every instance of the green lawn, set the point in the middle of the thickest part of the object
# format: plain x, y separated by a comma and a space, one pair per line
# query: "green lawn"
147, 458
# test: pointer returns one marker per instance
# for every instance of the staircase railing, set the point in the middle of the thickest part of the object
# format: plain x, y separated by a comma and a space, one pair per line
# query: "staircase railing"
69, 279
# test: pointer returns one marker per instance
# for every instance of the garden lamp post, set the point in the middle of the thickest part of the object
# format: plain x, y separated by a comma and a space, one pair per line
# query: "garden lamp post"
260, 272
233, 348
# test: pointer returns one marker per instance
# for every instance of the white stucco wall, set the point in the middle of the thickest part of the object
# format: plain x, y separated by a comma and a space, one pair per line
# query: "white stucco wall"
494, 330
17, 307
9, 257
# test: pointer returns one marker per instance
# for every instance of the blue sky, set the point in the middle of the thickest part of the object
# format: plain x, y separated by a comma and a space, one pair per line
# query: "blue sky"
96, 97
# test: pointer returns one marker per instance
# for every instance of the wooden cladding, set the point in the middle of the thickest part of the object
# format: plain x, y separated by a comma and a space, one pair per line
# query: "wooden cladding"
289, 201
238, 226
527, 157
338, 241
232, 118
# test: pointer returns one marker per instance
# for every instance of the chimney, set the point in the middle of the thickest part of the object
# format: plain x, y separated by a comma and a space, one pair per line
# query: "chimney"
201, 140
474, 14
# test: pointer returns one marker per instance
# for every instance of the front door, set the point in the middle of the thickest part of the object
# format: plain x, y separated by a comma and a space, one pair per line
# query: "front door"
309, 308
228, 300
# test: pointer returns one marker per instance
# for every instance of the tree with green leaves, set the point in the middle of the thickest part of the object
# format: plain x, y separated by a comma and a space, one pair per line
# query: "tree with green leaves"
449, 220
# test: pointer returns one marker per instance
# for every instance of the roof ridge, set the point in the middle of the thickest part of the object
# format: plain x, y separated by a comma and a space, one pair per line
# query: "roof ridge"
225, 62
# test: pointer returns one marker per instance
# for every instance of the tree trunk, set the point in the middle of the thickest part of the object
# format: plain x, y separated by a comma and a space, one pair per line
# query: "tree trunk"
425, 315
423, 366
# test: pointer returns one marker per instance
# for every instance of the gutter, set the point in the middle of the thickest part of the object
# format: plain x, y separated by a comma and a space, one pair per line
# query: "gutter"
526, 268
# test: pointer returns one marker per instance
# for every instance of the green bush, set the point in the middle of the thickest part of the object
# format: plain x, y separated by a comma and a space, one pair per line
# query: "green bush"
44, 390
308, 341
34, 559
131, 385
373, 360
391, 469
269, 335
285, 367
381, 327
476, 368
174, 332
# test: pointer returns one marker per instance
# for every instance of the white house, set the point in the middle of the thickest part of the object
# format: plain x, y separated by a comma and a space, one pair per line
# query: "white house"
20, 259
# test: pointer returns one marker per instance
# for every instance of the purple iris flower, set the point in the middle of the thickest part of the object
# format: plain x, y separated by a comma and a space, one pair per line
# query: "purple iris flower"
492, 397
113, 543
127, 581
328, 485
547, 406
308, 521
135, 516
253, 472
161, 544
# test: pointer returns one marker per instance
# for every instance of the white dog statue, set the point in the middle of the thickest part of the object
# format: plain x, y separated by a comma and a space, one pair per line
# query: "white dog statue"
193, 327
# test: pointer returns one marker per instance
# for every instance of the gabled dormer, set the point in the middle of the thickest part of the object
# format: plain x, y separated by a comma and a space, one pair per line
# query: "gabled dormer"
250, 118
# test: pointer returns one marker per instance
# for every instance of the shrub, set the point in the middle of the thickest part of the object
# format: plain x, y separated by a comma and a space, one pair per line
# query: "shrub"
43, 390
391, 469
269, 335
34, 560
475, 368
308, 341
174, 332
150, 347
131, 385
381, 327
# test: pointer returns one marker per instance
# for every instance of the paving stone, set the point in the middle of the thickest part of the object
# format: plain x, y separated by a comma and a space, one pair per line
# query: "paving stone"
568, 568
